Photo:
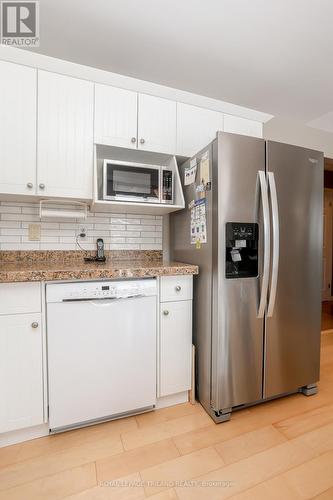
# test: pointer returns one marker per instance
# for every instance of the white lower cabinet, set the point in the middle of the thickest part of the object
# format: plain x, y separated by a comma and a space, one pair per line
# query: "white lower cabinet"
22, 353
175, 343
21, 371
21, 356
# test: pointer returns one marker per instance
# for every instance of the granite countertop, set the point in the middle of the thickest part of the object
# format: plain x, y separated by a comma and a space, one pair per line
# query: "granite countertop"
50, 266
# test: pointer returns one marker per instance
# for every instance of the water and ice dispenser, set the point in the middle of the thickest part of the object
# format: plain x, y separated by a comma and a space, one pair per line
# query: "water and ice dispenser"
241, 250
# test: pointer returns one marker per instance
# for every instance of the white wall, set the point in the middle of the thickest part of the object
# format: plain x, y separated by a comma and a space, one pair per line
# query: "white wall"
293, 132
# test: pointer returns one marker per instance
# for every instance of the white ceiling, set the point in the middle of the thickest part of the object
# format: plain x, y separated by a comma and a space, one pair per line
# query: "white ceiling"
271, 55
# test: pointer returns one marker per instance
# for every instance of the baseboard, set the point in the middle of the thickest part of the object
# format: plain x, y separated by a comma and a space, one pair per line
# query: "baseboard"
173, 399
21, 435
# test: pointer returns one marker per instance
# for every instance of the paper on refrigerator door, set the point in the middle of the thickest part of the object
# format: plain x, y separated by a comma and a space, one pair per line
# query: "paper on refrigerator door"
190, 173
235, 255
240, 243
198, 223
204, 170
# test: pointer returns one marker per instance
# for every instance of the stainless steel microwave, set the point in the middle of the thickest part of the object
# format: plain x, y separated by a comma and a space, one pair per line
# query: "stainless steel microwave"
137, 182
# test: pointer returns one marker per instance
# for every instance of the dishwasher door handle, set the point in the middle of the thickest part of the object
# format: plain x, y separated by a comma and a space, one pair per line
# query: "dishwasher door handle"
102, 300
109, 301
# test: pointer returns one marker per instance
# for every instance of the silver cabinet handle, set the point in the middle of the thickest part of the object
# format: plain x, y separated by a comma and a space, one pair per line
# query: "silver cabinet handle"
267, 242
165, 312
276, 243
178, 288
133, 139
41, 186
34, 324
142, 141
30, 185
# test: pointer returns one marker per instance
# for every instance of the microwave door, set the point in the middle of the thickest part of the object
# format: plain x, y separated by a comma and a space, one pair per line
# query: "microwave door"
133, 183
130, 183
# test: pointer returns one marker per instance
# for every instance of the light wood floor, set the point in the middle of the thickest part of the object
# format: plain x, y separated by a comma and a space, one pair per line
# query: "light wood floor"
278, 450
327, 315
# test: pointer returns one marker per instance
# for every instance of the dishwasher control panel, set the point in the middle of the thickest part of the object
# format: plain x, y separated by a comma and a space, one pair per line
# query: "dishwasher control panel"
99, 290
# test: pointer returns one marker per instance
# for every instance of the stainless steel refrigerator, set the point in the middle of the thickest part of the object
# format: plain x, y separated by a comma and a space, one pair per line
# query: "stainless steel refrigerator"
257, 299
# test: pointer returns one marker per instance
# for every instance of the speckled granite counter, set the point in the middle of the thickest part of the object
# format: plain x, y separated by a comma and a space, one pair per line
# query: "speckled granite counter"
53, 266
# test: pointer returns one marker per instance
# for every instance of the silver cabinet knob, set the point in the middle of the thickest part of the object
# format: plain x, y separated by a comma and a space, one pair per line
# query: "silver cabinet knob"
30, 185
133, 139
165, 312
178, 288
142, 141
41, 186
34, 324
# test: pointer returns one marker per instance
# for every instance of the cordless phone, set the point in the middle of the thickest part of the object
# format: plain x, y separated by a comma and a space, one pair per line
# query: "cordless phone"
99, 257
100, 250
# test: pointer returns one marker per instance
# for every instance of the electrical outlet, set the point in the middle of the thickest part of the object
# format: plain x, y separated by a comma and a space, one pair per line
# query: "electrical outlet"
34, 232
82, 230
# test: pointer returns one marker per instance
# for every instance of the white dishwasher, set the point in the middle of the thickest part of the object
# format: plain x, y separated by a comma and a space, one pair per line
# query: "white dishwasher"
101, 343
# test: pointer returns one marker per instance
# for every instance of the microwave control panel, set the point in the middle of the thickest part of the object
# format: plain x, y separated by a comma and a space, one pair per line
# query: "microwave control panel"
167, 186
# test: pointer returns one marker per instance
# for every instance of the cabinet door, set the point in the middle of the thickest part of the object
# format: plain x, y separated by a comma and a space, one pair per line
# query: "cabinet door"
115, 116
175, 347
17, 128
196, 127
65, 136
243, 126
157, 124
21, 371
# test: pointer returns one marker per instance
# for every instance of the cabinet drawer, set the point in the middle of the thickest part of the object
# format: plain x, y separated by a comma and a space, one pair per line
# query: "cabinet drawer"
176, 288
18, 298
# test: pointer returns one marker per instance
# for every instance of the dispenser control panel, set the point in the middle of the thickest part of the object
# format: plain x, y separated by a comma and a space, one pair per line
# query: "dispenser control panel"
241, 231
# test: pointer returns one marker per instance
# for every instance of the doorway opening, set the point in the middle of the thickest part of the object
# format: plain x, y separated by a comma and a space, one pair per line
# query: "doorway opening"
327, 292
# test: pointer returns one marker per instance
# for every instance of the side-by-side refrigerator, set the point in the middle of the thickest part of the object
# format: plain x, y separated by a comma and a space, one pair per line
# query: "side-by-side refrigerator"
253, 225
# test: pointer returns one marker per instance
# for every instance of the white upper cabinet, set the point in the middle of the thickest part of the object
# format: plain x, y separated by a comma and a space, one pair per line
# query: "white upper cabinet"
157, 120
138, 121
243, 126
17, 128
50, 123
115, 116
196, 127
65, 136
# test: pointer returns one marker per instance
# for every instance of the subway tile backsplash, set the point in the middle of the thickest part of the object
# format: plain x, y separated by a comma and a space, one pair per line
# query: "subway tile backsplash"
119, 231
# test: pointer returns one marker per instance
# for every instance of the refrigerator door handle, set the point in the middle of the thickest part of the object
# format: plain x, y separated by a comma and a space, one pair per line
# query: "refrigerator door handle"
276, 243
267, 242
